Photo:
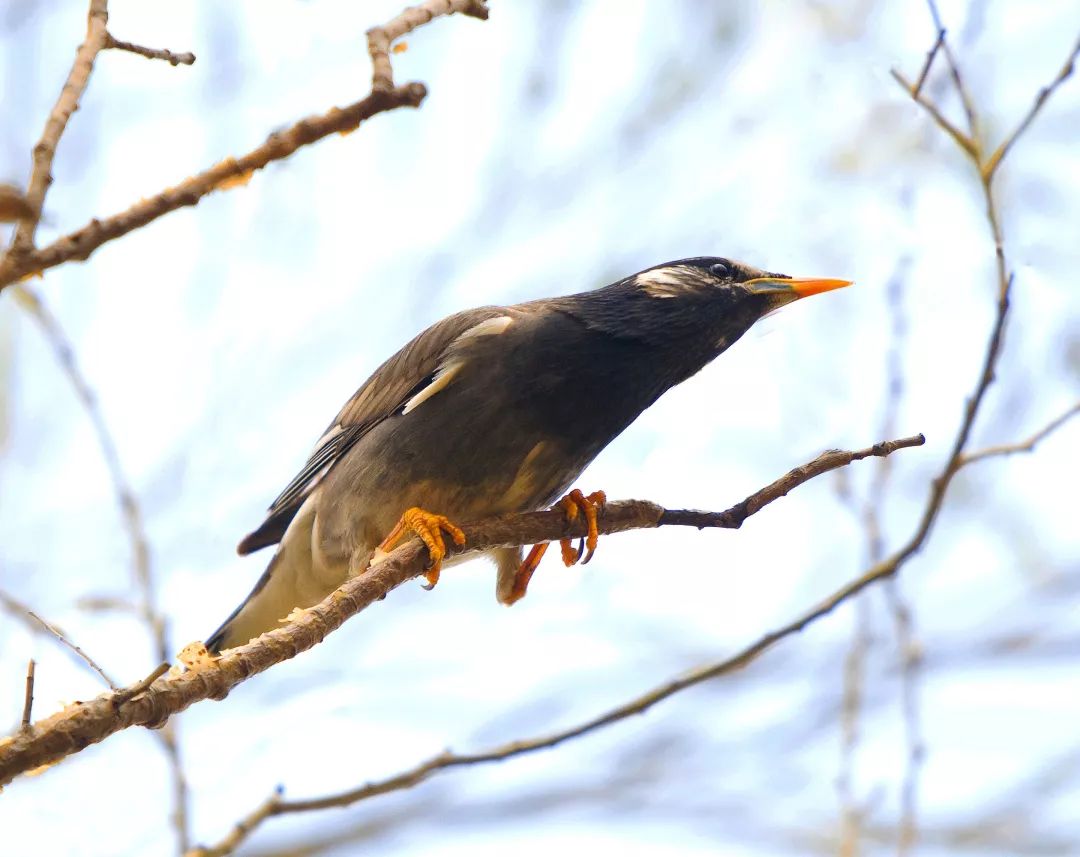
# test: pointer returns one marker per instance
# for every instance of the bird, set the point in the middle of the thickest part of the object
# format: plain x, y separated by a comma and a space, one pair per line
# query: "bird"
491, 411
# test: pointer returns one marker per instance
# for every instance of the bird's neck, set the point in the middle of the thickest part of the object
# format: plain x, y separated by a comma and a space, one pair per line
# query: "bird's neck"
683, 334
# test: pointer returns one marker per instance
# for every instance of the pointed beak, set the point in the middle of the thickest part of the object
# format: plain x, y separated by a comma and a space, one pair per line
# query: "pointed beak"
794, 287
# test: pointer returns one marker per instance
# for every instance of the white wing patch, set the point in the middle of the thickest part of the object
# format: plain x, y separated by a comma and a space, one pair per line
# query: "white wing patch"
442, 377
662, 282
453, 362
488, 327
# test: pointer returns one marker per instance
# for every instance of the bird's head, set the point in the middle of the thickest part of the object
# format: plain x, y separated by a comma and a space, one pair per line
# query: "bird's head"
700, 306
729, 285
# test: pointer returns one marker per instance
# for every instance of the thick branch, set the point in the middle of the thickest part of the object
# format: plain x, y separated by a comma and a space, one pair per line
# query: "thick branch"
84, 723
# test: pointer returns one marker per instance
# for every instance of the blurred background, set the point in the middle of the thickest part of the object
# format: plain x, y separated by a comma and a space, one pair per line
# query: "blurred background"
563, 145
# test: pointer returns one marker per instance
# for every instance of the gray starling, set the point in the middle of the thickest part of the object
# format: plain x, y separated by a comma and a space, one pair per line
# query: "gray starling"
495, 410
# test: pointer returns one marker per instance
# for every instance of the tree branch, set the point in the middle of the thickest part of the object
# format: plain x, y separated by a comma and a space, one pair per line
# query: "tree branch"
68, 102
131, 513
83, 723
28, 696
186, 58
1023, 445
379, 38
275, 805
22, 260
39, 625
1001, 151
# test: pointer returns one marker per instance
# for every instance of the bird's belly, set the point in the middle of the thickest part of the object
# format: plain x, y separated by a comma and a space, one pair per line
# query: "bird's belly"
472, 466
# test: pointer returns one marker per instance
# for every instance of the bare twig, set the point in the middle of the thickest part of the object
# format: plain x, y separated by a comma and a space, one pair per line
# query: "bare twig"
270, 807
733, 518
910, 659
931, 54
84, 723
23, 260
992, 162
379, 38
959, 137
33, 621
851, 707
141, 686
186, 58
66, 104
958, 456
28, 698
132, 516
1023, 445
954, 71
125, 496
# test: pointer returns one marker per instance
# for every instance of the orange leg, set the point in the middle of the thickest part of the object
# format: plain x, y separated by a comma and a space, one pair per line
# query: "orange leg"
525, 573
572, 504
589, 506
429, 528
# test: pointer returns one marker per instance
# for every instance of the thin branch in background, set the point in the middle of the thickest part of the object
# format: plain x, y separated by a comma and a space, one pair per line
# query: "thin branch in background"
186, 58
930, 56
954, 71
851, 708
868, 512
910, 661
131, 513
958, 457
992, 162
23, 260
1023, 446
78, 725
38, 625
28, 698
959, 137
902, 613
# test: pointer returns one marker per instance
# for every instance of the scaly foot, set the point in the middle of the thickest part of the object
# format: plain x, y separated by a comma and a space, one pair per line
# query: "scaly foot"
430, 529
572, 504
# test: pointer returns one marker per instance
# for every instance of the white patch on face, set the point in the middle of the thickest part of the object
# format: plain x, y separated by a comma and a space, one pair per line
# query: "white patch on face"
439, 381
663, 282
488, 327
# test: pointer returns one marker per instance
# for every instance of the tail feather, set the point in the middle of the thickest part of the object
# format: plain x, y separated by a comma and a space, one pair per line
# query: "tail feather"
287, 583
227, 636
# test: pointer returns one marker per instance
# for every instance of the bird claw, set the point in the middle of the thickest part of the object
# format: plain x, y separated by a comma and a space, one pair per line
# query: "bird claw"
429, 528
572, 504
590, 506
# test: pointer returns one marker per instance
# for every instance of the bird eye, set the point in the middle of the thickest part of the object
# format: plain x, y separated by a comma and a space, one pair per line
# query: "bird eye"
720, 270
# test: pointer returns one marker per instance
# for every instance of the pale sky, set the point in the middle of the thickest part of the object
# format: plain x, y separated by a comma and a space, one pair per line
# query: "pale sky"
562, 146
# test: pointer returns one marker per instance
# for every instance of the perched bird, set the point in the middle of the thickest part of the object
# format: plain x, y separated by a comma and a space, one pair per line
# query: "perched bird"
495, 410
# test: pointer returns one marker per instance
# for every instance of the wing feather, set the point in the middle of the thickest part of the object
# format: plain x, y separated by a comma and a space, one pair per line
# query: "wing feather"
418, 371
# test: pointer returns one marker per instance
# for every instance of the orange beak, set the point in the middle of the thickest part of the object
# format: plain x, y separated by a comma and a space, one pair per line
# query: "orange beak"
800, 287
